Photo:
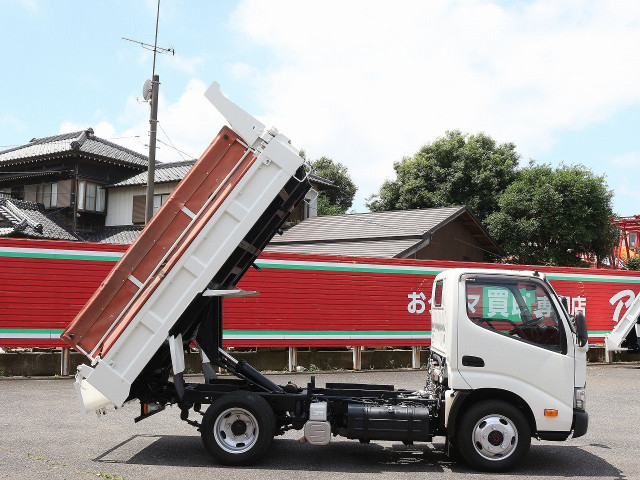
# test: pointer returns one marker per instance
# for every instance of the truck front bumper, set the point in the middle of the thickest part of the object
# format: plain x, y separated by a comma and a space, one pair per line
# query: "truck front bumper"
580, 423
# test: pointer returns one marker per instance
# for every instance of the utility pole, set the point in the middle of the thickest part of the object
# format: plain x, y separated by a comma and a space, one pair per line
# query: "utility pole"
152, 94
153, 129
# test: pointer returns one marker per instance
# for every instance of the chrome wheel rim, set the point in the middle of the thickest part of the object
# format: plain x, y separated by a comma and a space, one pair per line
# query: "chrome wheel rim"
495, 437
236, 430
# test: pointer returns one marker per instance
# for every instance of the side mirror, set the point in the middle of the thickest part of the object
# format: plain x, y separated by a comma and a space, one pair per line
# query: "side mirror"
565, 302
581, 329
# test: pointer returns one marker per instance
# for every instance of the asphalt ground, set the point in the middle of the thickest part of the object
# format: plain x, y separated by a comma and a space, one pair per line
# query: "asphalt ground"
43, 435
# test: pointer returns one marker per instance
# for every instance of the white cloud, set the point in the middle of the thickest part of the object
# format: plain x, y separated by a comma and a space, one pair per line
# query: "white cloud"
628, 160
183, 64
241, 70
190, 123
629, 196
30, 4
366, 83
102, 129
8, 121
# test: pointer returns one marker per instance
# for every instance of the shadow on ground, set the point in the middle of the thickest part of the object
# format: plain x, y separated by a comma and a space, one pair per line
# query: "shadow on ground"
346, 456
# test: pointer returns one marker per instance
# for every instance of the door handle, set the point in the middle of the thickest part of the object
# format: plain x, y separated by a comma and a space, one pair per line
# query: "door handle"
469, 361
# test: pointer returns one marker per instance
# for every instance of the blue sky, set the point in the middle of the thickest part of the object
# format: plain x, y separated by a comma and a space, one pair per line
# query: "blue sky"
357, 81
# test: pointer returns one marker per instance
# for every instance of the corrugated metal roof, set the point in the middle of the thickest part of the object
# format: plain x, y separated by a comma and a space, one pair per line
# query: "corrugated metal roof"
393, 224
29, 219
124, 235
164, 173
175, 171
76, 142
376, 234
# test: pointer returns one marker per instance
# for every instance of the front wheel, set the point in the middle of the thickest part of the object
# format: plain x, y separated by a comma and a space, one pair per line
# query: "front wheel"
493, 435
238, 428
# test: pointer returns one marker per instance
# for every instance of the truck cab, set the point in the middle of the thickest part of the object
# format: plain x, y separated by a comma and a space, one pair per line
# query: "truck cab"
509, 361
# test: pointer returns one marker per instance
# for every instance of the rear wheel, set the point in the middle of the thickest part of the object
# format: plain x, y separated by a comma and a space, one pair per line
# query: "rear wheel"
493, 435
238, 428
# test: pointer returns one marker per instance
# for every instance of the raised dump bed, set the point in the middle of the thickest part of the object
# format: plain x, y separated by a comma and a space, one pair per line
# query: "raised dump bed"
159, 246
204, 237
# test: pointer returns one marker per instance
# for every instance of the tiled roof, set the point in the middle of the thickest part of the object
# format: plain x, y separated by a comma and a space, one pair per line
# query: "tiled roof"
83, 142
28, 219
175, 171
377, 234
125, 235
164, 173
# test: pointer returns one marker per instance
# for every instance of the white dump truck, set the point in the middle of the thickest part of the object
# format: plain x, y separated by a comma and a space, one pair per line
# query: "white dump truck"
507, 362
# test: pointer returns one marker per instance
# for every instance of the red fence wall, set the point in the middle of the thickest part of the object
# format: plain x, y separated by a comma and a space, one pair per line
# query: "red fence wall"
44, 284
305, 300
321, 300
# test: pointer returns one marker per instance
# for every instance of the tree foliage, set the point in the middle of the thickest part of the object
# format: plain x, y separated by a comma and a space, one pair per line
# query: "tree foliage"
333, 201
632, 263
458, 169
548, 216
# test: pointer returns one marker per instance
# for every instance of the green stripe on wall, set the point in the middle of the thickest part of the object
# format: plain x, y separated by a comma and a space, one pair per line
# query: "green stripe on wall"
60, 256
292, 265
348, 268
52, 331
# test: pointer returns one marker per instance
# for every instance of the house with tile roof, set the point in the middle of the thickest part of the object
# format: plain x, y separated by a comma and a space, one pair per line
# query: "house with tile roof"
90, 189
66, 174
448, 233
28, 219
127, 200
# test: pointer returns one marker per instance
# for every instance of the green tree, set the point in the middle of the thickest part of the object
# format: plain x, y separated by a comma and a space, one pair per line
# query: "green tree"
632, 263
458, 169
548, 217
333, 201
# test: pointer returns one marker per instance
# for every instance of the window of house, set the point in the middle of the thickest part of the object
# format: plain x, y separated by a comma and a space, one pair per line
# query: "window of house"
17, 192
158, 201
140, 206
91, 197
82, 187
100, 199
139, 209
47, 194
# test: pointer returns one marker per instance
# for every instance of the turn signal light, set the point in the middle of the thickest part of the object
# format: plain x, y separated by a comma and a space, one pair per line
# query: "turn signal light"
550, 412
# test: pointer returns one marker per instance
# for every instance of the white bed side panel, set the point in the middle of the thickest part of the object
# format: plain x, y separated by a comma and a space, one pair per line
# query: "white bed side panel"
142, 338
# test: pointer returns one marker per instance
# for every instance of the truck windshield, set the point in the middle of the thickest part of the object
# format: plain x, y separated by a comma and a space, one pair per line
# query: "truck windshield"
521, 310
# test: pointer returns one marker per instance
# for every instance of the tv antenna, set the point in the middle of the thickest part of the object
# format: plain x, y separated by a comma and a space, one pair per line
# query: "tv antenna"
150, 92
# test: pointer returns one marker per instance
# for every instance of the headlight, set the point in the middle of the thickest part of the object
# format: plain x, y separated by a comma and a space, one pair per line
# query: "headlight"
580, 398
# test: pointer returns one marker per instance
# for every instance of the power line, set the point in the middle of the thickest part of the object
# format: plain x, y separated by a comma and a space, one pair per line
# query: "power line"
179, 151
173, 146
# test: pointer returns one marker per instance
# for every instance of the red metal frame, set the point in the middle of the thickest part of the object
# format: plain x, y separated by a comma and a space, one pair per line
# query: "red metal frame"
626, 247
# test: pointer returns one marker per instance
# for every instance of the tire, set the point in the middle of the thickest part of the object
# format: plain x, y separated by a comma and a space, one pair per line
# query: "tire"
238, 428
493, 436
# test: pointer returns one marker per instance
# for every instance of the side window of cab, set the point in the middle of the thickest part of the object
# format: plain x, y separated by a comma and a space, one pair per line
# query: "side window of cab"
521, 310
437, 294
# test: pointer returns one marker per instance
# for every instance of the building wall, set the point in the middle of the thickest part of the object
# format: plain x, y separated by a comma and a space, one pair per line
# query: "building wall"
120, 202
306, 300
452, 242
